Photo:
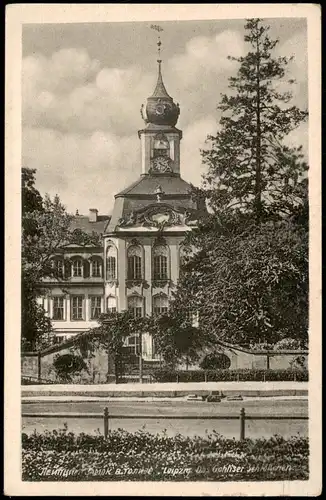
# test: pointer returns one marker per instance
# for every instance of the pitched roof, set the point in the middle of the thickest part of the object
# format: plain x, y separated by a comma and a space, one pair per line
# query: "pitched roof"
82, 222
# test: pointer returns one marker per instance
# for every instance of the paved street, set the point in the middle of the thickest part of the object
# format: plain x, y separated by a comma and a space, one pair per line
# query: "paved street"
229, 428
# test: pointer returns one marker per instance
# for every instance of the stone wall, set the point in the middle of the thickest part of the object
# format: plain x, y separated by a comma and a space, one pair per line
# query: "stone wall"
260, 360
29, 364
97, 364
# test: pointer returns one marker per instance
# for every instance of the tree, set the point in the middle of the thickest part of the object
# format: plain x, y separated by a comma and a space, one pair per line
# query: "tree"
248, 284
45, 229
250, 169
176, 338
248, 279
110, 336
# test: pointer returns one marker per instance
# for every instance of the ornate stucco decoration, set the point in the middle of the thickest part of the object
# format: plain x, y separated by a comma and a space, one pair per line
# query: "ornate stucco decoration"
158, 216
137, 283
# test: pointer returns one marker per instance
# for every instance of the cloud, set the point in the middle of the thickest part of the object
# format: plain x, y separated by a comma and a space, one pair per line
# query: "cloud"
85, 170
194, 140
80, 118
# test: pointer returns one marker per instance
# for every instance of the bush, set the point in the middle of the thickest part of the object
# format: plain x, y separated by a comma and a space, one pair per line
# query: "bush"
165, 375
215, 361
69, 365
287, 344
59, 455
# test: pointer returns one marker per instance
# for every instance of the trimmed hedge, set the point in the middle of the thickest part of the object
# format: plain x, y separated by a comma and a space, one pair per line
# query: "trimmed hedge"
141, 456
227, 375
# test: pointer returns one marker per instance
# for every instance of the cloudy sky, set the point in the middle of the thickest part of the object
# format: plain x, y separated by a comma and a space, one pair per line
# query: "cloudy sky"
83, 85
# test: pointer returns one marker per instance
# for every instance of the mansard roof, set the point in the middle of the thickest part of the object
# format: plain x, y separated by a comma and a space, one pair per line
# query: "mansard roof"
146, 184
141, 194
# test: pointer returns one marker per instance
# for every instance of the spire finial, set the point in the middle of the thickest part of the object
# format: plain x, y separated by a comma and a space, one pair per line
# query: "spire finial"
158, 28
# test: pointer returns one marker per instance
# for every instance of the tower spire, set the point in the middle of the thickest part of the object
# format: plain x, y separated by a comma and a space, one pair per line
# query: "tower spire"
160, 90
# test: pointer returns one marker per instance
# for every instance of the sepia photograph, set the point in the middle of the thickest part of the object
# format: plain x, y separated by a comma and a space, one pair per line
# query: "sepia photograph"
164, 236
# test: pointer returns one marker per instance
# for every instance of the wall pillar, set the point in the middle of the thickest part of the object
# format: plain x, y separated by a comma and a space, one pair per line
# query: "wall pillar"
68, 307
122, 269
174, 262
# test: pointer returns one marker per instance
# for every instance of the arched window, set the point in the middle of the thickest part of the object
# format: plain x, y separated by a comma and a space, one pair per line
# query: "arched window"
160, 262
111, 263
96, 267
160, 304
77, 267
136, 306
135, 271
161, 145
111, 304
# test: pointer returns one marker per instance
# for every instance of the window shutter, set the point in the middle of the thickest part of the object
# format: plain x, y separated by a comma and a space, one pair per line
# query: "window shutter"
67, 265
86, 268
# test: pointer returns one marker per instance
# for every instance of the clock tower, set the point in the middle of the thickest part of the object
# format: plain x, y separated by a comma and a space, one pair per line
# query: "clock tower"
144, 241
160, 139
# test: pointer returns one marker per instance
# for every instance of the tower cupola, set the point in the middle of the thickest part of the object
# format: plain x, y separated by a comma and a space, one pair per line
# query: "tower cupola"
160, 107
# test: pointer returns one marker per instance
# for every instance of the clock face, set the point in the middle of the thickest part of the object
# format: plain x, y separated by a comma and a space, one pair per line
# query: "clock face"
162, 164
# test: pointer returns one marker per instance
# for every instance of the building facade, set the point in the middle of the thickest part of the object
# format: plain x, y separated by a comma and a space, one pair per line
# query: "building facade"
137, 264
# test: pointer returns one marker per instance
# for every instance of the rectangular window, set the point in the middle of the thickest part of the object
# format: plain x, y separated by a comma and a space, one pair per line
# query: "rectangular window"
160, 267
59, 268
132, 344
110, 268
77, 307
96, 307
134, 268
96, 269
77, 268
137, 311
111, 305
58, 308
160, 310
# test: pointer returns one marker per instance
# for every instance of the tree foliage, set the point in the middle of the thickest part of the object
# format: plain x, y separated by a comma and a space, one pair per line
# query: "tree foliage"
176, 339
249, 283
111, 334
249, 168
248, 279
46, 228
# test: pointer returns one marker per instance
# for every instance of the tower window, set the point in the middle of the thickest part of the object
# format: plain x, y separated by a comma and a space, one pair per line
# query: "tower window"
110, 268
111, 305
111, 262
135, 271
161, 146
134, 267
135, 306
160, 304
160, 267
160, 262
